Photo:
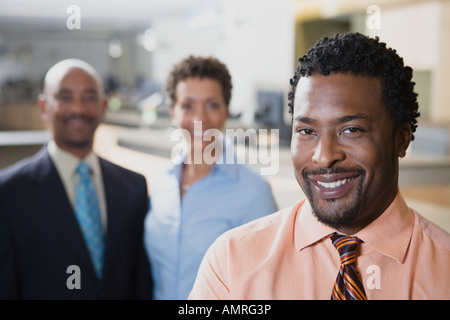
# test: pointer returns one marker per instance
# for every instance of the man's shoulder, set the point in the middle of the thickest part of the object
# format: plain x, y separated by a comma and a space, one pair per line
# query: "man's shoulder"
21, 169
15, 170
434, 233
114, 168
122, 178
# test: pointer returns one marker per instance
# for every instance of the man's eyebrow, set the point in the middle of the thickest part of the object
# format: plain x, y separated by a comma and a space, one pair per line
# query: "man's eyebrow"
340, 120
67, 90
63, 91
304, 120
352, 117
90, 90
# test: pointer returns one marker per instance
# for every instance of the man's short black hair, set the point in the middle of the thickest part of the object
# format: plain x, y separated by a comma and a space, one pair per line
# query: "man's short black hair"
361, 55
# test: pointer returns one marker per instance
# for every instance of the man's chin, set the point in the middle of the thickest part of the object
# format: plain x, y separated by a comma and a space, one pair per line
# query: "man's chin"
81, 144
336, 218
336, 213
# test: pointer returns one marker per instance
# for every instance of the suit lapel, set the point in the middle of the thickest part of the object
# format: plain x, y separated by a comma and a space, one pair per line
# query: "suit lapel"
113, 208
51, 195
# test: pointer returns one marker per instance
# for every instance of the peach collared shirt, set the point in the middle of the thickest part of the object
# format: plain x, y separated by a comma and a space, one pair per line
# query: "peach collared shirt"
288, 255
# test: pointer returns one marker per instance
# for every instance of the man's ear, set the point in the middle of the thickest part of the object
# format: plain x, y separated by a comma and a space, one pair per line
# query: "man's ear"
42, 106
104, 105
403, 139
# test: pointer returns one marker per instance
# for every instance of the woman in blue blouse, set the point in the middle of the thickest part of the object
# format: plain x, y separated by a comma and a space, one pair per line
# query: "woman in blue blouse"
195, 201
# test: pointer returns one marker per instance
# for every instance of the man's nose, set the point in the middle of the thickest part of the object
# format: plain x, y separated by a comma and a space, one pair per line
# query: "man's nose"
328, 151
78, 105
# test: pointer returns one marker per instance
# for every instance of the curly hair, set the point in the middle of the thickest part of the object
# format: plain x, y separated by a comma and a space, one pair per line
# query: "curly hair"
360, 55
202, 67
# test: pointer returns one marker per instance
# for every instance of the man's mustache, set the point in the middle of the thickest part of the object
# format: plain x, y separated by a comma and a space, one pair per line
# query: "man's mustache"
79, 117
330, 171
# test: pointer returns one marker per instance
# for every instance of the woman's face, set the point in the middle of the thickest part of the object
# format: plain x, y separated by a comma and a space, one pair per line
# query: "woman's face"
199, 106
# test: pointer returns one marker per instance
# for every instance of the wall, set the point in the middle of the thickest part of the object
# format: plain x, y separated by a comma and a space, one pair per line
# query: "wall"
46, 51
254, 38
441, 107
420, 32
41, 51
418, 29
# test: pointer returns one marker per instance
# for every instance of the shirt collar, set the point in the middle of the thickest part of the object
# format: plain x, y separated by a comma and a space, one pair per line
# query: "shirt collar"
308, 230
389, 234
66, 163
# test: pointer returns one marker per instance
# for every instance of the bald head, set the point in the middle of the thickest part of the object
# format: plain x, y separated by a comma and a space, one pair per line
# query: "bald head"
60, 69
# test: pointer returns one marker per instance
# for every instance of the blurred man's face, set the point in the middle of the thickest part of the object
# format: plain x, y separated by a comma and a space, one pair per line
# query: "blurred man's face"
73, 106
345, 150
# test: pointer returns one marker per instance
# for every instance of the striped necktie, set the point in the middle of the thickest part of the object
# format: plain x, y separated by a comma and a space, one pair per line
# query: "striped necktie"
88, 214
348, 285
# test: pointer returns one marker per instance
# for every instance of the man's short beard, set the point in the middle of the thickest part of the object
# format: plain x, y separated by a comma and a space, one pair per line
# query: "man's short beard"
337, 217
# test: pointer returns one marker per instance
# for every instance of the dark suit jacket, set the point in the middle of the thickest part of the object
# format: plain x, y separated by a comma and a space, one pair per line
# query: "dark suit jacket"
40, 237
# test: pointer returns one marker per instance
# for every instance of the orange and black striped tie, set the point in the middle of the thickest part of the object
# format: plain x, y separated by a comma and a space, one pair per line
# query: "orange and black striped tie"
348, 284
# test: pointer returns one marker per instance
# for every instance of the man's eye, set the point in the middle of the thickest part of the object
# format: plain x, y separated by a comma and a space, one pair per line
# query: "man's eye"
351, 130
64, 97
305, 132
90, 98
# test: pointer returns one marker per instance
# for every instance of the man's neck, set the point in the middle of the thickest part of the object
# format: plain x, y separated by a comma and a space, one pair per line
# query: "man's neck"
79, 152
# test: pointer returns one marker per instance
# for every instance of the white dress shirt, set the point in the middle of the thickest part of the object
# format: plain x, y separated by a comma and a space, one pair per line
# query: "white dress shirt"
66, 165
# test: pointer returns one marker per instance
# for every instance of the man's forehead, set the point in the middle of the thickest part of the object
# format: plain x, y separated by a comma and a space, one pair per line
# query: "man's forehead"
338, 80
336, 89
64, 69
67, 84
339, 85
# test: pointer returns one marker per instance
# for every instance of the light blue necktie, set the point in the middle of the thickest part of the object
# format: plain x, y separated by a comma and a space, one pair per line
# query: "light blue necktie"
88, 215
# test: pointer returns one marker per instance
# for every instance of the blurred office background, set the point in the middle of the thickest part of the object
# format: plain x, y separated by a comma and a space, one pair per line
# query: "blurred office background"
134, 43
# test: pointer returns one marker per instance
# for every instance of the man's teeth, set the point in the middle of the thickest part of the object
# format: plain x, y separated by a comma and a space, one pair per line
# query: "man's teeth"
334, 184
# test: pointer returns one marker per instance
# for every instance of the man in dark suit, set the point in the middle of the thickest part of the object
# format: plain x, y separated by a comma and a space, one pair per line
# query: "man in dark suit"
44, 253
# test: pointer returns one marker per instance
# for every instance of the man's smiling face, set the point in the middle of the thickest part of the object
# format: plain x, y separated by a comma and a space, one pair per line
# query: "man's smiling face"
73, 105
345, 149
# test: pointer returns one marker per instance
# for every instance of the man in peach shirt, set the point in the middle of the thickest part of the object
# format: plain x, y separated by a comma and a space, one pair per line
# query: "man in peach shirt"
354, 114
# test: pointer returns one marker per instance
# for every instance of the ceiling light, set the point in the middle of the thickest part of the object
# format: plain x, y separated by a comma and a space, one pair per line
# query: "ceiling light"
115, 48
